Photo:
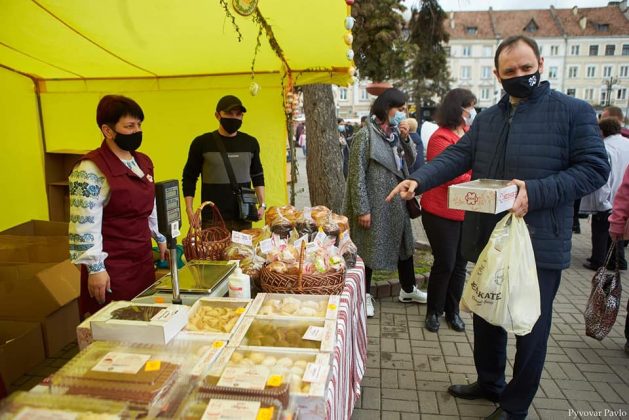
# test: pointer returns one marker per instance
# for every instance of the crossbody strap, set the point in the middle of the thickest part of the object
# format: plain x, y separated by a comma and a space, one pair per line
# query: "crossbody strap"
226, 162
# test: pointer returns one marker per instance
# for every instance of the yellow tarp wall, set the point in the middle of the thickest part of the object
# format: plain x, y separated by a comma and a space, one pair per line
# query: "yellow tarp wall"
176, 111
22, 158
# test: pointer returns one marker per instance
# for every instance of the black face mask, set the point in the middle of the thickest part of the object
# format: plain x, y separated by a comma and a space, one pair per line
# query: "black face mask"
522, 86
128, 142
231, 125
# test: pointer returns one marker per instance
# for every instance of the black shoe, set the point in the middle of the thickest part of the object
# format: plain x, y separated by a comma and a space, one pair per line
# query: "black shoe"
576, 229
627, 347
498, 414
588, 259
455, 322
471, 392
612, 267
590, 266
432, 322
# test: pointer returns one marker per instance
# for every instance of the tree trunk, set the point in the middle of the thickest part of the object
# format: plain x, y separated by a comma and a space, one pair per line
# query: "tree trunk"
324, 163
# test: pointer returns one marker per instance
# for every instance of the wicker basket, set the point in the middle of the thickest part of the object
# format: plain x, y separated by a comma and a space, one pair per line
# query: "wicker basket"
208, 243
308, 284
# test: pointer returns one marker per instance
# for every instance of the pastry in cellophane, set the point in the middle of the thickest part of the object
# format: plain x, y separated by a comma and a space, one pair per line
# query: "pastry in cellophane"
215, 405
26, 405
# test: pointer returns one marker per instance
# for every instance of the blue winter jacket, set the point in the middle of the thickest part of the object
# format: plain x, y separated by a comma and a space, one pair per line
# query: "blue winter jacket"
553, 143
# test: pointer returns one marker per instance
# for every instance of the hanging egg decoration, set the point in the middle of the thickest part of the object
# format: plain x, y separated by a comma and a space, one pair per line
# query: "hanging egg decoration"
349, 2
349, 23
254, 89
349, 38
350, 54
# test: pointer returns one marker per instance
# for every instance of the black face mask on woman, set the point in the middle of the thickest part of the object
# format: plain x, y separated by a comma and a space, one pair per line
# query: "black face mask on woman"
522, 86
128, 142
231, 125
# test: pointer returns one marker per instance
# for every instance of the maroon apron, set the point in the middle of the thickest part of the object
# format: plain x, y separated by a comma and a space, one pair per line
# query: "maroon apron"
125, 228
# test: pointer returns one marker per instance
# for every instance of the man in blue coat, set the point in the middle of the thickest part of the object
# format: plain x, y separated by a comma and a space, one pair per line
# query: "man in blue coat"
549, 145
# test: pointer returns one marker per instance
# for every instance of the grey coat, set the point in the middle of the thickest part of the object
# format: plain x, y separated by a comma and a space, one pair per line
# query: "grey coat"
372, 175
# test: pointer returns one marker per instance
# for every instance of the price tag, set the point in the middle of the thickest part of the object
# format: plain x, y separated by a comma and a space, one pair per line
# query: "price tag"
218, 344
307, 213
315, 372
265, 413
266, 246
314, 333
242, 238
331, 306
320, 237
240, 310
174, 229
121, 362
253, 377
218, 409
275, 380
152, 365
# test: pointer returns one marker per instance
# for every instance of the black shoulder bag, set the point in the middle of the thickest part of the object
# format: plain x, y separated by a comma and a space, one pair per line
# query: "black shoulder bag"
246, 199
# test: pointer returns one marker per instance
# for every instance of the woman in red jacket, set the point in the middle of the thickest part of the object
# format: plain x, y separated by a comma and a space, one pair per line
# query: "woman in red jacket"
443, 225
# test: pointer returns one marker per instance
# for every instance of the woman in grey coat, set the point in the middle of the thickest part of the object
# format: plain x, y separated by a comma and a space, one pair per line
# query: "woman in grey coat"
381, 154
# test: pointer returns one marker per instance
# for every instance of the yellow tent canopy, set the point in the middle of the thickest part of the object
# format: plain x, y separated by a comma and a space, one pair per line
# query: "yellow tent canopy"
176, 58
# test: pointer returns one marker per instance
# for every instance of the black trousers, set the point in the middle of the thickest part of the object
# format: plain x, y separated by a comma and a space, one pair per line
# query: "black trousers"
490, 353
447, 275
406, 274
601, 241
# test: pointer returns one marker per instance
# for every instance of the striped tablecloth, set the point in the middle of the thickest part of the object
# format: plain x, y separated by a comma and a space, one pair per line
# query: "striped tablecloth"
350, 352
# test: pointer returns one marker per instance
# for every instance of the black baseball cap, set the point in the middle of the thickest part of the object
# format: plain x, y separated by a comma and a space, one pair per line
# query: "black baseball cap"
229, 102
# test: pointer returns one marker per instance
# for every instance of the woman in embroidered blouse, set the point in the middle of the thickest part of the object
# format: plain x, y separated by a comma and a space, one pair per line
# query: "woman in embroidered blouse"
443, 225
380, 156
112, 210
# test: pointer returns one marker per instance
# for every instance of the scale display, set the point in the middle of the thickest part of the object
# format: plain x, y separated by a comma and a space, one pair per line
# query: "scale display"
168, 208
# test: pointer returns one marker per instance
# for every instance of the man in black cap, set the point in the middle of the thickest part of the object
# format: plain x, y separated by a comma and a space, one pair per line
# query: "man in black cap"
205, 158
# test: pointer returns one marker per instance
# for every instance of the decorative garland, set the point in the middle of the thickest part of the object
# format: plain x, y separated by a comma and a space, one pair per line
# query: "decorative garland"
229, 15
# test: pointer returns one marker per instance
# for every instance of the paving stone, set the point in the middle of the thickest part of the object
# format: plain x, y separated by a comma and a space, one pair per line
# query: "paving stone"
362, 414
400, 405
406, 379
420, 362
372, 382
433, 386
389, 378
447, 404
551, 403
371, 398
411, 416
622, 390
432, 376
396, 361
390, 415
437, 364
387, 344
585, 395
592, 367
428, 403
438, 417
476, 410
399, 394
607, 392
604, 377
449, 349
574, 385
403, 346
572, 371
465, 349
468, 369
373, 360
552, 414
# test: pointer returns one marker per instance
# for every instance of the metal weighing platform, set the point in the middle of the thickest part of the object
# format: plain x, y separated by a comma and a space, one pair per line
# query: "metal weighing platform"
196, 279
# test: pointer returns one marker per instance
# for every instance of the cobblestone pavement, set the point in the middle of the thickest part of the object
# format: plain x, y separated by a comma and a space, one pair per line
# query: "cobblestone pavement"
409, 368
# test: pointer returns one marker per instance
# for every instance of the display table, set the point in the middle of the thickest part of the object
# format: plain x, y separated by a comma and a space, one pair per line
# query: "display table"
350, 352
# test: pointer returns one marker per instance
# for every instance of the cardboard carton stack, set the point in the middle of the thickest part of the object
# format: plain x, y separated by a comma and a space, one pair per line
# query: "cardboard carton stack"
38, 295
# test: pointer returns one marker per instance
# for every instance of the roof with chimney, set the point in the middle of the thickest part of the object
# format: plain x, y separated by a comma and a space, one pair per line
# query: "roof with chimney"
611, 20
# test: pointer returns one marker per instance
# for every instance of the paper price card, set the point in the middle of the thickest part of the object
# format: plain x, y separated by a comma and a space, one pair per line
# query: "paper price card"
152, 365
174, 229
265, 413
266, 246
320, 237
253, 377
242, 238
314, 333
315, 372
297, 243
275, 380
218, 409
307, 213
29, 413
119, 362
240, 310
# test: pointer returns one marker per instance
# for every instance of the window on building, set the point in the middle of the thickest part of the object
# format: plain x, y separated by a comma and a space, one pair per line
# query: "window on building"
603, 97
625, 49
343, 94
602, 27
621, 94
573, 72
364, 96
591, 72
488, 51
471, 30
554, 50
607, 71
531, 27
610, 49
467, 51
624, 71
541, 50
552, 72
486, 72
484, 94
589, 94
593, 49
448, 51
571, 92
574, 50
465, 72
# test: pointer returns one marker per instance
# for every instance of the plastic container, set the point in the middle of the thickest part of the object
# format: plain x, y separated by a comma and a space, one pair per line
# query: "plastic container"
25, 405
239, 285
213, 404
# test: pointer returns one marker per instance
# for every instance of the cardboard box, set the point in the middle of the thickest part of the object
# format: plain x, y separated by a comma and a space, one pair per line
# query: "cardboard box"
38, 228
482, 195
59, 328
160, 329
21, 349
37, 241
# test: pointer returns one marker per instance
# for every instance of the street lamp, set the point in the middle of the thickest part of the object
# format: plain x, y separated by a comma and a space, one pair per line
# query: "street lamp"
609, 86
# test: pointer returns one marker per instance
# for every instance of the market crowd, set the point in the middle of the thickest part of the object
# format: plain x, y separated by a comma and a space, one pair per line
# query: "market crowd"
548, 144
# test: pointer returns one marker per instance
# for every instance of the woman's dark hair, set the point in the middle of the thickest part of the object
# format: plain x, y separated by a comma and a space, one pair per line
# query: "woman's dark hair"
113, 107
390, 98
450, 112
609, 126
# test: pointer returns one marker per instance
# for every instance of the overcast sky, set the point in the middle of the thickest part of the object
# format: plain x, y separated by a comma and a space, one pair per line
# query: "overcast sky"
456, 5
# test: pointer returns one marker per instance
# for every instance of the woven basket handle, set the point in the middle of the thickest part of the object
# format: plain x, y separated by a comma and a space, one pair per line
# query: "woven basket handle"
216, 215
302, 252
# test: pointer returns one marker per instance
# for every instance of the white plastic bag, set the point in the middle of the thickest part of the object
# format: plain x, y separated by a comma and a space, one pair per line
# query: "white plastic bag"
503, 287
